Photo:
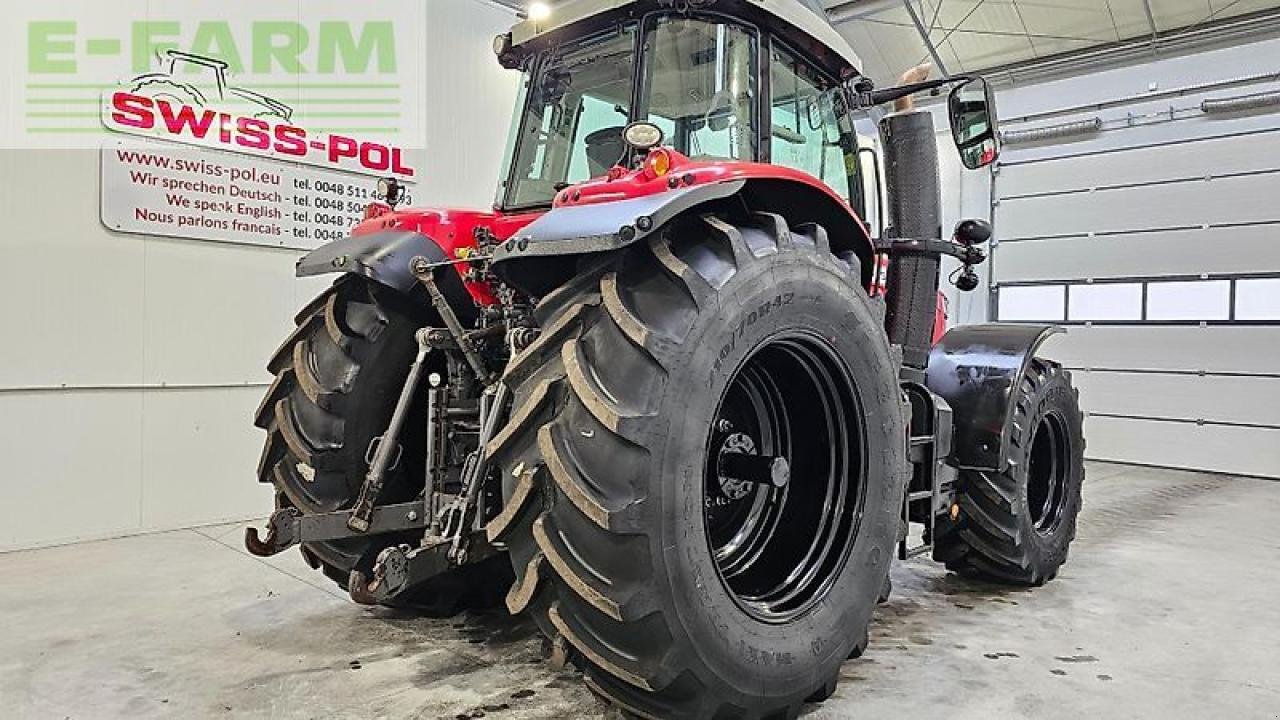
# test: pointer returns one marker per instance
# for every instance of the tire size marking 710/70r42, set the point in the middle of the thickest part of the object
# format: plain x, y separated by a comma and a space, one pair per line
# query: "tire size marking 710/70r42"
765, 308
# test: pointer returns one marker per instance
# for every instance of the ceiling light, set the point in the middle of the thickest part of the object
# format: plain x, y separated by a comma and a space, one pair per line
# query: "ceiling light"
539, 11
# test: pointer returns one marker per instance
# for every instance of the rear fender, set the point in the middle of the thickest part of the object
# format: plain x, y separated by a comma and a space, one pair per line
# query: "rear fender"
975, 369
385, 258
801, 199
543, 254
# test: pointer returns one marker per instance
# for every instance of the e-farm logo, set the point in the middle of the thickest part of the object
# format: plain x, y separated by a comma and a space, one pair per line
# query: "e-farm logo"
335, 75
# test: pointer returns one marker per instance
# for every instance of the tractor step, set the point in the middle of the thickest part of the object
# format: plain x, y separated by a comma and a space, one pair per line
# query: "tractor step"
932, 487
906, 552
919, 501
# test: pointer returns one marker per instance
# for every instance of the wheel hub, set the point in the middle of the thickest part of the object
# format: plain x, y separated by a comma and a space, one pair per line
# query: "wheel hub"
733, 488
1047, 471
783, 479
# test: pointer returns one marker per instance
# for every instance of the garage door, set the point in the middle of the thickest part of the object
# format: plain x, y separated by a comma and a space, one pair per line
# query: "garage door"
1152, 231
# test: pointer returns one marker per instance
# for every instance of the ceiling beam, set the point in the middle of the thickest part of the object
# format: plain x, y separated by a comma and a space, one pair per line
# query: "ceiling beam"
816, 6
924, 35
1223, 33
515, 5
1151, 20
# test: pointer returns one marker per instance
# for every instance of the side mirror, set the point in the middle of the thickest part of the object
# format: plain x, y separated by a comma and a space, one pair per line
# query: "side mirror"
972, 110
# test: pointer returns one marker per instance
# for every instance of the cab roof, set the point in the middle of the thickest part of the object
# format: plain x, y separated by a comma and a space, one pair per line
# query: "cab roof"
791, 13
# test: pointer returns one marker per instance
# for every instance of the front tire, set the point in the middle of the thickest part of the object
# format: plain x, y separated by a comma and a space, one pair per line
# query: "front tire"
630, 549
1016, 526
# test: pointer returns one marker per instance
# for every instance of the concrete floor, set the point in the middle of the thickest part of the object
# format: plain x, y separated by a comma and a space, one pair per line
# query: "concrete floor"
1169, 608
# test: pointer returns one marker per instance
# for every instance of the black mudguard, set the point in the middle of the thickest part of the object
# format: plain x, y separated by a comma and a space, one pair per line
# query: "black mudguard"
974, 368
385, 258
542, 255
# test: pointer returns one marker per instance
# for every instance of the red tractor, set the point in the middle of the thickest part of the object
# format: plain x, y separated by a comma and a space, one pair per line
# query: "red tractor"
659, 381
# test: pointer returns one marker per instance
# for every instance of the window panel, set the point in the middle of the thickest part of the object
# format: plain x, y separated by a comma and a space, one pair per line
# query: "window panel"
1105, 301
1189, 300
1258, 299
700, 84
806, 132
577, 105
1028, 303
591, 156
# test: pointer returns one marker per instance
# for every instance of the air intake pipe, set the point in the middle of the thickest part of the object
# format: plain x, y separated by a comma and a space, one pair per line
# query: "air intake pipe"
914, 214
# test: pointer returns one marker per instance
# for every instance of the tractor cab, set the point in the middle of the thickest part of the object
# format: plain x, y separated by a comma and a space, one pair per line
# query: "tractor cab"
733, 82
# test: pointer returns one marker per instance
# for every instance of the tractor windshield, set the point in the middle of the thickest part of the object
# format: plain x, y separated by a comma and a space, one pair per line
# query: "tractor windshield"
698, 84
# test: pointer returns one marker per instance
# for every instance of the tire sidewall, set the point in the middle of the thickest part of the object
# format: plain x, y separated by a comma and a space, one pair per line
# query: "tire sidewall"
798, 288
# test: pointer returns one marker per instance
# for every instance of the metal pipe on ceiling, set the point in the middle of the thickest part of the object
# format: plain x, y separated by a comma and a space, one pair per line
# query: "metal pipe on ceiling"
1240, 103
924, 36
1052, 132
1136, 50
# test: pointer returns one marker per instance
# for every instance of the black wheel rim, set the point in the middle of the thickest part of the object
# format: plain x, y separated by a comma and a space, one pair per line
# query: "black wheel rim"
779, 549
1047, 471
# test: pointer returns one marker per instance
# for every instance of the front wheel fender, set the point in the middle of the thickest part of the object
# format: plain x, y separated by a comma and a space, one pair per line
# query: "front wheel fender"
975, 368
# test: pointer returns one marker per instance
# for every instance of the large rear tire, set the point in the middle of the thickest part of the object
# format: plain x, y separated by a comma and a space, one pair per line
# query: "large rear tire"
337, 379
1016, 527
683, 593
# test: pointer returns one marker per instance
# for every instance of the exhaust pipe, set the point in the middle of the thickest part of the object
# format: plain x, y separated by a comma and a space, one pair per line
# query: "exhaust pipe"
915, 214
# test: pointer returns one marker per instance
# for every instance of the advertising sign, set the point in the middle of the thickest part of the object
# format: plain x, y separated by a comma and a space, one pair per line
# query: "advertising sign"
166, 189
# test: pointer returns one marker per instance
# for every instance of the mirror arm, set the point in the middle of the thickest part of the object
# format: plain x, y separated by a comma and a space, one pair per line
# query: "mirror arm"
861, 99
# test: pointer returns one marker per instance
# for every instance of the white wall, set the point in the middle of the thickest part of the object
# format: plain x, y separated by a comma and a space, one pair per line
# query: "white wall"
1156, 84
132, 365
1154, 87
1162, 190
965, 194
468, 107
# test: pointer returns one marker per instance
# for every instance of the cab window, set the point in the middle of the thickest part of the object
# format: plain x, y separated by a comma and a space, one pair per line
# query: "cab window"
578, 103
699, 87
807, 132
